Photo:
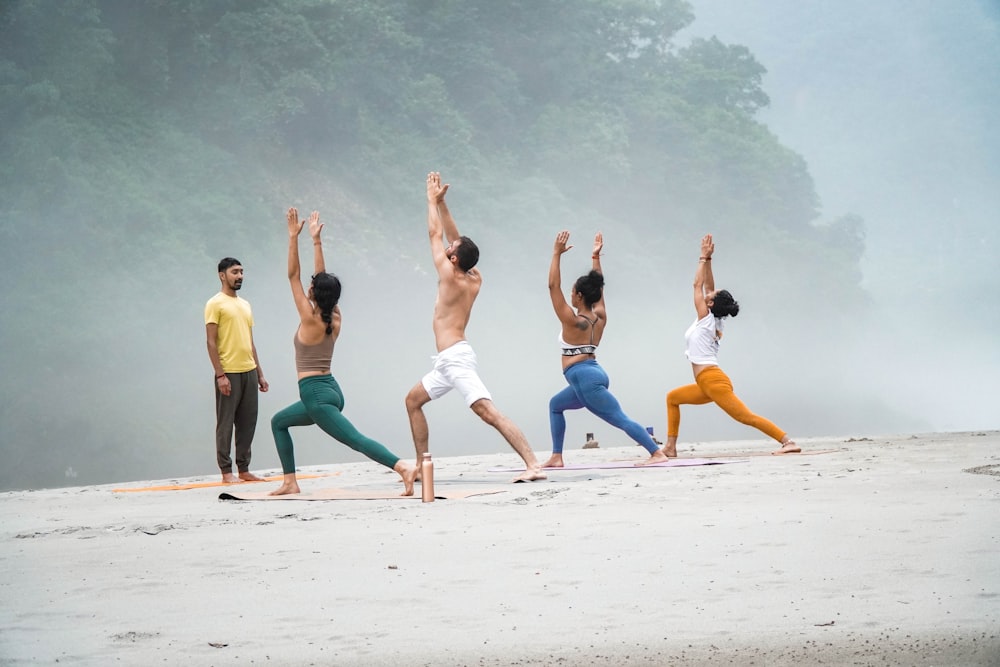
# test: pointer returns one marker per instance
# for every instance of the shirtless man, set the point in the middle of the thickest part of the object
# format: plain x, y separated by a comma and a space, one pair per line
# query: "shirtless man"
455, 363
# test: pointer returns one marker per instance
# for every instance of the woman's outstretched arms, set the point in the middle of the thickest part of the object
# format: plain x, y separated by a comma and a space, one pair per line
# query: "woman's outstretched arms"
563, 310
704, 281
295, 226
595, 256
315, 227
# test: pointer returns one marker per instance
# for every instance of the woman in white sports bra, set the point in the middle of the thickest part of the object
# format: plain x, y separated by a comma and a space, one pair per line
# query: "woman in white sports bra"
581, 333
711, 384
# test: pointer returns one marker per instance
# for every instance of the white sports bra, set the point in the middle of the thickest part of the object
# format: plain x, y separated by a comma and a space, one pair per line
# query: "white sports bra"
575, 350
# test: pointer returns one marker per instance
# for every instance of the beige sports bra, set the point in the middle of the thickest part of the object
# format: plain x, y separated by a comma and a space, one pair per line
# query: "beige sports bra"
311, 358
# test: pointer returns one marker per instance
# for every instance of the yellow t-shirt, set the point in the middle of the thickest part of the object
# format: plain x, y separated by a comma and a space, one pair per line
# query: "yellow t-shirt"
235, 320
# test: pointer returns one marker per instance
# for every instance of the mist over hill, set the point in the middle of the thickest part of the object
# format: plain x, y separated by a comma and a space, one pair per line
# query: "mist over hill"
843, 166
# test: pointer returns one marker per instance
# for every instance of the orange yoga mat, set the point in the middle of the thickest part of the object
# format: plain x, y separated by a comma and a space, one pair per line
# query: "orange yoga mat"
205, 485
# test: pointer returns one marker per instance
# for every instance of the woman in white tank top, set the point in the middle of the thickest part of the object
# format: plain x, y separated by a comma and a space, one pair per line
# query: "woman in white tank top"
711, 385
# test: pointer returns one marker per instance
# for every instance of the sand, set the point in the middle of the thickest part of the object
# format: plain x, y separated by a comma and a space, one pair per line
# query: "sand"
885, 550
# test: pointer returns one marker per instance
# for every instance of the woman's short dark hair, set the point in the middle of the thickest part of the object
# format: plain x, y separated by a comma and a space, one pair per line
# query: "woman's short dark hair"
724, 304
590, 287
326, 294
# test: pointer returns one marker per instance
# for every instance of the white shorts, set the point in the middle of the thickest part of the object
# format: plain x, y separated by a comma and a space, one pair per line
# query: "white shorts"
455, 367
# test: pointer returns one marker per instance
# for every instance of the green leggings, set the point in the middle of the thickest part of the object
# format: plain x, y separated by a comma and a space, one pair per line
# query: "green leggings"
321, 404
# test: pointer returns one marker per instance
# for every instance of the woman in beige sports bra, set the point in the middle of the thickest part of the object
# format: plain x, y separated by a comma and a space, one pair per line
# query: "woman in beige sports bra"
321, 399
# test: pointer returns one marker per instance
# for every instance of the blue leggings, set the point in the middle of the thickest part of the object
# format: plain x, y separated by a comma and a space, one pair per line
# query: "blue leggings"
588, 388
321, 404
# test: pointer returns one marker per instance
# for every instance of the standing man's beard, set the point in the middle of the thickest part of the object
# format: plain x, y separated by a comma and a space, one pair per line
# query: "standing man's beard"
238, 284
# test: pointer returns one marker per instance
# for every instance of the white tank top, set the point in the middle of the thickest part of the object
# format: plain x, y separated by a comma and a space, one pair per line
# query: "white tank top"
703, 341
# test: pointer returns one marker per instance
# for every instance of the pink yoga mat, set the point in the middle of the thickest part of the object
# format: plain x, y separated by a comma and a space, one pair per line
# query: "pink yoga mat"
631, 465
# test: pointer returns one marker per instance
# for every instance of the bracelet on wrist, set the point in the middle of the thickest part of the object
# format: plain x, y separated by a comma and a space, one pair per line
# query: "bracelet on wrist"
219, 377
705, 259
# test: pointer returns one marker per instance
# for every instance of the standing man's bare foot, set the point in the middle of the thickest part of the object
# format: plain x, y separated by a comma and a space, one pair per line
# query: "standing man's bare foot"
250, 477
409, 475
230, 478
530, 475
657, 457
788, 446
286, 489
555, 461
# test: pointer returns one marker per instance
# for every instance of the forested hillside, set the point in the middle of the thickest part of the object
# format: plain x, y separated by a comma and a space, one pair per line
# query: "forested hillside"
144, 140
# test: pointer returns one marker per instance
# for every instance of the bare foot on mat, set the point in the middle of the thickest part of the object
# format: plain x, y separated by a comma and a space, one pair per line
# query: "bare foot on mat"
409, 476
530, 475
656, 457
555, 461
787, 447
286, 489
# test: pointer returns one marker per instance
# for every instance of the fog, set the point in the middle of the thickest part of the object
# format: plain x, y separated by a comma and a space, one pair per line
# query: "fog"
893, 105
893, 109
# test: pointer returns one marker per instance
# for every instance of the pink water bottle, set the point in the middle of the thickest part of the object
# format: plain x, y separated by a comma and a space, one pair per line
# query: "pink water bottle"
427, 479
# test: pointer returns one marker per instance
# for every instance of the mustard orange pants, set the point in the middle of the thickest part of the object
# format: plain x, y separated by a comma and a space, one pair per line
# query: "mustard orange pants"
712, 385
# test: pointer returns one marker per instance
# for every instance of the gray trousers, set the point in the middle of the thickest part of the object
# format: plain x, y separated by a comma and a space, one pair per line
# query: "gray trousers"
238, 412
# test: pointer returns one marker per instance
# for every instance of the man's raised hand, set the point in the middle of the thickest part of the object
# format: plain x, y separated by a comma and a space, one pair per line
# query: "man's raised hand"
435, 191
707, 246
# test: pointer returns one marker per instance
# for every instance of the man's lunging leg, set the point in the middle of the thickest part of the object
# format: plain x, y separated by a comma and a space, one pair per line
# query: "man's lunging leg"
415, 400
488, 412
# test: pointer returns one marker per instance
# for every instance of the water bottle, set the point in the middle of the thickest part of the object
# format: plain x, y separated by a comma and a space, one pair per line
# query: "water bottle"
427, 479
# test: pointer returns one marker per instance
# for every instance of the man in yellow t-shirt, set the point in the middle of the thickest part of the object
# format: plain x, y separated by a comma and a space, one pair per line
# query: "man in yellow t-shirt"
238, 376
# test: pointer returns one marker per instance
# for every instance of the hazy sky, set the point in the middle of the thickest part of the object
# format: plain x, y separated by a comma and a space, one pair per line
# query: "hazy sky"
893, 105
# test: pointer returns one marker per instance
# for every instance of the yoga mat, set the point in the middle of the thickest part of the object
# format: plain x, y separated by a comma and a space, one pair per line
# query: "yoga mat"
357, 494
204, 485
610, 465
767, 452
